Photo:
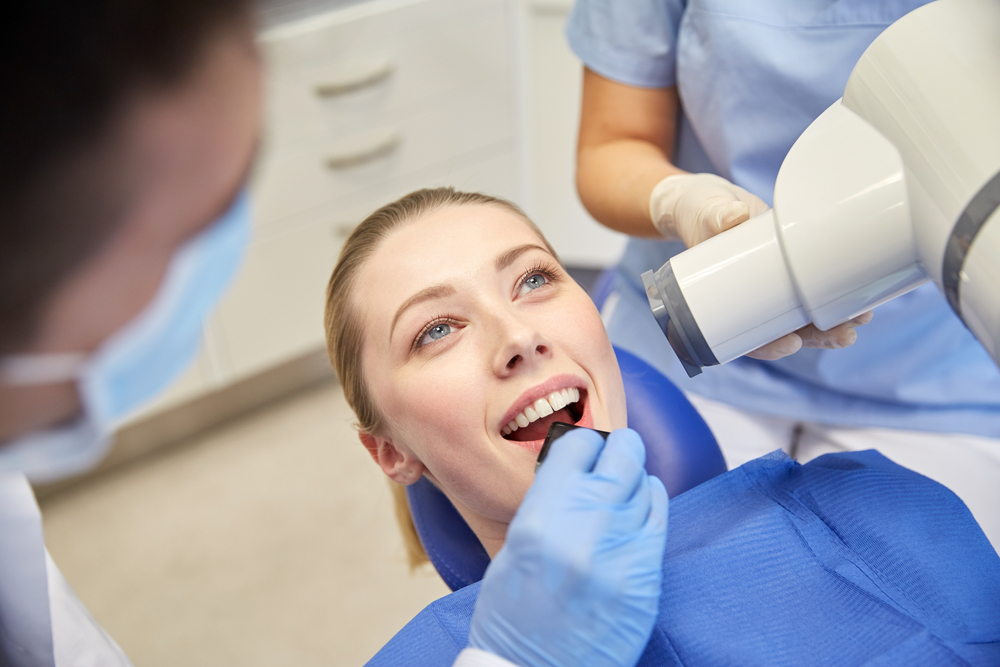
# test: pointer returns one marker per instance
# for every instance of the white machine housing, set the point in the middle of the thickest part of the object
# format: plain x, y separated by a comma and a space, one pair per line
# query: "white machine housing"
896, 183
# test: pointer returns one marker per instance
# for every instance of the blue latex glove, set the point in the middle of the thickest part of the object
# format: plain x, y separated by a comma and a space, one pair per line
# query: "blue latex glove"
578, 580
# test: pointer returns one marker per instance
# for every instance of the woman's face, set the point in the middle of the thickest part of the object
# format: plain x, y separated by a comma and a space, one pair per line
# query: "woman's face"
472, 327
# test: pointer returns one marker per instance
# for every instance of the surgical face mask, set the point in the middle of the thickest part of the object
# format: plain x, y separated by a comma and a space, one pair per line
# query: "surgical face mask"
136, 363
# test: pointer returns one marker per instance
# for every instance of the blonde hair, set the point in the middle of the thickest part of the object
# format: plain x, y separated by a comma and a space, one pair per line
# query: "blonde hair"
344, 331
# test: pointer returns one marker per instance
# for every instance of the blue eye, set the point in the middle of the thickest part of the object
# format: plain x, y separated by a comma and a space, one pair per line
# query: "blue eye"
439, 331
533, 282
436, 332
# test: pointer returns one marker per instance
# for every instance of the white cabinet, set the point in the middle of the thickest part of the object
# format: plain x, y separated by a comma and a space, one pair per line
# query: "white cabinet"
364, 104
367, 94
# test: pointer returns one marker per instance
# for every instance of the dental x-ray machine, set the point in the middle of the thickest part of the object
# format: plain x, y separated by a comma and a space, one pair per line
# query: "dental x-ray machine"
895, 184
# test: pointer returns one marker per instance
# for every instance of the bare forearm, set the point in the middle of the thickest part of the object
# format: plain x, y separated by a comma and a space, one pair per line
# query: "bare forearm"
626, 134
614, 180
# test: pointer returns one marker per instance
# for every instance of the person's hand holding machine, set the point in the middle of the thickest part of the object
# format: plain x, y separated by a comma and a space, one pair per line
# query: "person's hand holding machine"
696, 207
578, 579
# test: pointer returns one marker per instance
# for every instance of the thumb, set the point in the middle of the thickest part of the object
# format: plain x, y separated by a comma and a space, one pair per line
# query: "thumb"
731, 215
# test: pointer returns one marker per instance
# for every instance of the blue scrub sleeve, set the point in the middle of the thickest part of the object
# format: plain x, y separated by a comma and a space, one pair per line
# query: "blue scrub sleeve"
632, 42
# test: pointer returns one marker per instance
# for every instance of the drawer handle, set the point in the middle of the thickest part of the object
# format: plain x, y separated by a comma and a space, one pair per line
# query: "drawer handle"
379, 73
380, 148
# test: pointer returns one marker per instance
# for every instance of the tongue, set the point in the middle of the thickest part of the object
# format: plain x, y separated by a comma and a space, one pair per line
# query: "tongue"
538, 429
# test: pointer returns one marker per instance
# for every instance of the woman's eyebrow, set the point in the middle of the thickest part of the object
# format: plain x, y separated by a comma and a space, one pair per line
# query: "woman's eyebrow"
503, 260
507, 258
432, 292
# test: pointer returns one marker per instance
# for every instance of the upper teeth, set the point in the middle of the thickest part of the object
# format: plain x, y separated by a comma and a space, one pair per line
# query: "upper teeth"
543, 407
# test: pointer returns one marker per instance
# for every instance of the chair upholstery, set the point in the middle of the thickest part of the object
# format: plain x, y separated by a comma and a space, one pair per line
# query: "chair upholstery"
680, 450
450, 544
602, 287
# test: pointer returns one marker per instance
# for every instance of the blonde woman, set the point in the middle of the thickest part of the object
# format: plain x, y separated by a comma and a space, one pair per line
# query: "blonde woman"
579, 581
459, 338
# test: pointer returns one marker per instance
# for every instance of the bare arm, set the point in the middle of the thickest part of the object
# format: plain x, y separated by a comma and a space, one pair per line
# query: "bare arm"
626, 138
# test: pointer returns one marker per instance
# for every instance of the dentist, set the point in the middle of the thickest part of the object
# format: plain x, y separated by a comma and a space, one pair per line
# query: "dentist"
127, 131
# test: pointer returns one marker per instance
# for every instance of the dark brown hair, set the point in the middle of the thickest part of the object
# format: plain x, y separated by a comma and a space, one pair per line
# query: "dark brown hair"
66, 68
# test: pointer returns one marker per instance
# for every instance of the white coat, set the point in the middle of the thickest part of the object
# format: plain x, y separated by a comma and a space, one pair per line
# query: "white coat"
42, 622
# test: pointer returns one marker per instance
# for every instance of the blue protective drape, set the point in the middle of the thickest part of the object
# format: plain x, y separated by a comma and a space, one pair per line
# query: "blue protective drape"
849, 559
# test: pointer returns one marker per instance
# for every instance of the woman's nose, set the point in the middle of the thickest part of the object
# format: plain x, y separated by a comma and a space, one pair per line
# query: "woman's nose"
521, 346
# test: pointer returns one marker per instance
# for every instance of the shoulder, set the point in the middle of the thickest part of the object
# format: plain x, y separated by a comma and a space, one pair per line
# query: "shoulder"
630, 42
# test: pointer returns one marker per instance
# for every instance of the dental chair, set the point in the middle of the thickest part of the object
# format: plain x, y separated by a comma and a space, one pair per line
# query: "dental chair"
680, 450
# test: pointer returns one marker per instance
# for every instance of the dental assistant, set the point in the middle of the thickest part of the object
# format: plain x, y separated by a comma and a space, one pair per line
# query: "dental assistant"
127, 131
689, 108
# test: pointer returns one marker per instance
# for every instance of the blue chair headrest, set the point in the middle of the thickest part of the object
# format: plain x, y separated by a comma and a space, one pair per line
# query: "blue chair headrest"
680, 450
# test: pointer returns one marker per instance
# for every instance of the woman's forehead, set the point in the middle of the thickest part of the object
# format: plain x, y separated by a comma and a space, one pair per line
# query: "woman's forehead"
453, 242
452, 239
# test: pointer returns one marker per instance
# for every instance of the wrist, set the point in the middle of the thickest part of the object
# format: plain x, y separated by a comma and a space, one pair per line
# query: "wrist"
662, 203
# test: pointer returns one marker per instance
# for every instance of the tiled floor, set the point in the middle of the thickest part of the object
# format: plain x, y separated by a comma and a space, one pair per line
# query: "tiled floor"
269, 541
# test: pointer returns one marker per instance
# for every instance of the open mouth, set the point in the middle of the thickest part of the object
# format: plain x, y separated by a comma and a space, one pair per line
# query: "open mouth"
532, 424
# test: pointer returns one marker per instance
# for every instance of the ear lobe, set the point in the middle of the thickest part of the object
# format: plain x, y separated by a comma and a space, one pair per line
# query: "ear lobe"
398, 463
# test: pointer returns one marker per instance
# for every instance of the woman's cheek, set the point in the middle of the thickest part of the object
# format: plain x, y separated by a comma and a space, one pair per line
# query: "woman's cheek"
596, 353
434, 417
443, 412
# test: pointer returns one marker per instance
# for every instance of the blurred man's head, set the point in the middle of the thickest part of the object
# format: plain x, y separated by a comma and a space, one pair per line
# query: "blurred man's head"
125, 128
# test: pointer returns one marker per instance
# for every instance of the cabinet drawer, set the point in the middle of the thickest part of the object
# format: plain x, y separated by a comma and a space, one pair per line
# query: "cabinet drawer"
380, 149
347, 72
365, 29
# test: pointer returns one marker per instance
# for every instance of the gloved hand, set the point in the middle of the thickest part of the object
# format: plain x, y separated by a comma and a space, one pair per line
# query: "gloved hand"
696, 207
577, 581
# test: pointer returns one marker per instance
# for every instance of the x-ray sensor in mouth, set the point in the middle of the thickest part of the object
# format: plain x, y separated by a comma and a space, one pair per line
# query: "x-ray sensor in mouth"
895, 184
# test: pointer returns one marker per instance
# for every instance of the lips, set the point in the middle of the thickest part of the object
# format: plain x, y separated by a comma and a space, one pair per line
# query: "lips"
543, 407
560, 399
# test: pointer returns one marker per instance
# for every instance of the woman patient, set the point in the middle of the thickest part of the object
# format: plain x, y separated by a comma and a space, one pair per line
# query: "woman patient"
458, 338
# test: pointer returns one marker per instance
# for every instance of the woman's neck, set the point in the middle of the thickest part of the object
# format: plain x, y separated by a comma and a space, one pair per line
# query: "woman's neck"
492, 537
491, 533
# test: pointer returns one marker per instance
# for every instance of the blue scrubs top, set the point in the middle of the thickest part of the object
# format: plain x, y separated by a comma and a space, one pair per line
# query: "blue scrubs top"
849, 559
751, 77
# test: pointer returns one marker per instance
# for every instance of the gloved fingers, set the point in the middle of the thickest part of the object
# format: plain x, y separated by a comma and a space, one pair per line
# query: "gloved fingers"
728, 205
696, 207
755, 203
784, 346
737, 206
577, 451
659, 511
629, 517
643, 519
731, 215
840, 336
863, 318
654, 518
620, 466
716, 214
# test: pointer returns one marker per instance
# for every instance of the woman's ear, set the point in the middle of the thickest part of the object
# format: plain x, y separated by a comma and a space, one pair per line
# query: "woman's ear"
399, 463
